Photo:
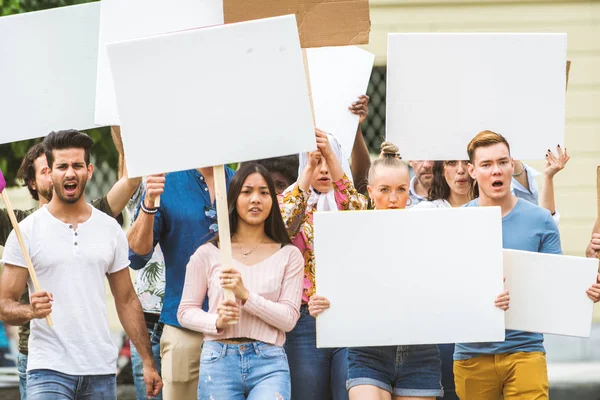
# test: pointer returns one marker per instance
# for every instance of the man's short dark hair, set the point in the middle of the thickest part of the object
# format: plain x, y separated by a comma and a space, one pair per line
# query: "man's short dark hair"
67, 139
26, 171
285, 165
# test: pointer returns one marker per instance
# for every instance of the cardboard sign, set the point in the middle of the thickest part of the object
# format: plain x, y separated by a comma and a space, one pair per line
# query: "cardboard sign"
48, 71
338, 75
186, 102
397, 285
322, 23
547, 292
132, 19
444, 88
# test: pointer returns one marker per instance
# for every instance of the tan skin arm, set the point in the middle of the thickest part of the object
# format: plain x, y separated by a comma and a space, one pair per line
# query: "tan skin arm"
12, 286
124, 188
360, 160
131, 316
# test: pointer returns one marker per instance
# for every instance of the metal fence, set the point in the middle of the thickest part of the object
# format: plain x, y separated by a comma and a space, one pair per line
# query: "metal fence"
374, 126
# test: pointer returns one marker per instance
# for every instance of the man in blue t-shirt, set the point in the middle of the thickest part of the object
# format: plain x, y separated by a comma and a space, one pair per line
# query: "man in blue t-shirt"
515, 368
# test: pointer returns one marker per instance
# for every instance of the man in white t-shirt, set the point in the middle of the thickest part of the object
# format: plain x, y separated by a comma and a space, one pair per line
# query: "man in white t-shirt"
72, 247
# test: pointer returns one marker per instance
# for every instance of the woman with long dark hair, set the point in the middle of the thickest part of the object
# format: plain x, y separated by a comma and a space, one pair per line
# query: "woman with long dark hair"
246, 360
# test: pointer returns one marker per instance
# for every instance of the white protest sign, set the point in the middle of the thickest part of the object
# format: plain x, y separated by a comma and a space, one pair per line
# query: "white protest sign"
48, 71
338, 75
444, 88
212, 96
547, 292
393, 283
132, 19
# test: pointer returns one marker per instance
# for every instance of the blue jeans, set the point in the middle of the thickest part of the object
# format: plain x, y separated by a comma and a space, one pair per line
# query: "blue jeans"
253, 370
318, 374
401, 370
136, 363
447, 357
22, 375
45, 384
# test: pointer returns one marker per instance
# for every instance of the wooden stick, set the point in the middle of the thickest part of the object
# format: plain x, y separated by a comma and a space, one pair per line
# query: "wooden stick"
15, 224
307, 73
223, 221
568, 70
598, 201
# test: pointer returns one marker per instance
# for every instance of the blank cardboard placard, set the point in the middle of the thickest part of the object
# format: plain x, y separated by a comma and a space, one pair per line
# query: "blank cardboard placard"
444, 88
338, 75
122, 20
212, 96
48, 71
321, 23
547, 292
393, 286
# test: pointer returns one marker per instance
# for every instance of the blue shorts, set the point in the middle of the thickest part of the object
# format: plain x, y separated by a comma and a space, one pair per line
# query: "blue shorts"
399, 370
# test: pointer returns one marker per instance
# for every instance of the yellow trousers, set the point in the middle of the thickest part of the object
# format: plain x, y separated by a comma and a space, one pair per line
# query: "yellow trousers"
509, 376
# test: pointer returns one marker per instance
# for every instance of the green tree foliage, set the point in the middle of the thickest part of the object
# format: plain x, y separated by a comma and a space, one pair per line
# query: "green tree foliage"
11, 154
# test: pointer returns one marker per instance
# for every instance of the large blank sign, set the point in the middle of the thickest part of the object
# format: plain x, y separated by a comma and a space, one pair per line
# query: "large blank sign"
547, 292
410, 277
212, 96
131, 19
338, 75
48, 71
444, 88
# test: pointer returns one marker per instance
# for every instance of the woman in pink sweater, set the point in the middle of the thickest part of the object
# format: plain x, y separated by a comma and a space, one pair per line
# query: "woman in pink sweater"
246, 360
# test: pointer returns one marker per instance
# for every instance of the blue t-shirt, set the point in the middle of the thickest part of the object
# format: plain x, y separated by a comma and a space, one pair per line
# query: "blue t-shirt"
184, 221
529, 228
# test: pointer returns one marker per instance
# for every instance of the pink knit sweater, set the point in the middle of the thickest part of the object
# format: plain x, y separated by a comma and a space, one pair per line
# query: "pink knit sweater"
275, 286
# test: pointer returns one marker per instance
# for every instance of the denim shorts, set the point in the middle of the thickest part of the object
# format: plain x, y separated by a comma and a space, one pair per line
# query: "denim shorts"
254, 370
400, 370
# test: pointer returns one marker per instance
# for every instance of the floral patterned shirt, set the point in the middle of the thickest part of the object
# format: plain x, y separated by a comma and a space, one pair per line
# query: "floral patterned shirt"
149, 281
298, 218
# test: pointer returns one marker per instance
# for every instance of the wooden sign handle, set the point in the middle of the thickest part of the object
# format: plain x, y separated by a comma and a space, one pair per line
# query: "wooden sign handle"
598, 201
223, 221
15, 224
307, 73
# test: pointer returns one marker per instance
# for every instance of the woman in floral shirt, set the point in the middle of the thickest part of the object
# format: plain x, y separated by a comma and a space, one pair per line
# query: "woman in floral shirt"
322, 186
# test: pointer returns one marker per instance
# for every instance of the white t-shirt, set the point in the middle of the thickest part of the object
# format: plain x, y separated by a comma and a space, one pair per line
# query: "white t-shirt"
71, 265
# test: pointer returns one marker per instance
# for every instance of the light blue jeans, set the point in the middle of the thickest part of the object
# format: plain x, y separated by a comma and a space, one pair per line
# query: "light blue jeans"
138, 368
253, 371
22, 375
45, 384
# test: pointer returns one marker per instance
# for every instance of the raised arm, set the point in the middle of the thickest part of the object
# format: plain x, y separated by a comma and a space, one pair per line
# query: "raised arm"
124, 188
293, 202
554, 164
141, 236
360, 160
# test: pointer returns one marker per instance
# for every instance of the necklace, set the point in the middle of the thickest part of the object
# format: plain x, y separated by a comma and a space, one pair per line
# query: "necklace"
246, 253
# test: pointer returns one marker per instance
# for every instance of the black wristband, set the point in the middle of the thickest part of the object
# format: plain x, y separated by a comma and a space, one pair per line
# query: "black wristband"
150, 211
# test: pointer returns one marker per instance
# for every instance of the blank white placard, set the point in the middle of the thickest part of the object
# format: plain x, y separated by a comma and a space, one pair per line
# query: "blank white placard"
547, 292
48, 71
444, 88
338, 75
132, 19
212, 96
409, 276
